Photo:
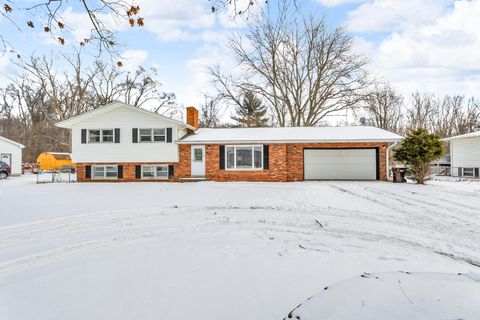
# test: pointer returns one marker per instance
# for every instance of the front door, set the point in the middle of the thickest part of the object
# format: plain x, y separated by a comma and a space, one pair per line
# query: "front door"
7, 158
198, 161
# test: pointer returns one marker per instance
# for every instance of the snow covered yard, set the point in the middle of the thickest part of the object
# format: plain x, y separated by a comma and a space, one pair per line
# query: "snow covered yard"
218, 250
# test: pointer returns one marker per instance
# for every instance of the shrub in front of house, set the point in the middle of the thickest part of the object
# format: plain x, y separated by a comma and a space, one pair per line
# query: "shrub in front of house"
418, 151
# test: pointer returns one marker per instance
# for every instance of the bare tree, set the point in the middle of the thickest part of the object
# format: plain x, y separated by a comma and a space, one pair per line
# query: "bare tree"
103, 17
302, 69
40, 95
447, 116
209, 113
418, 114
467, 115
140, 88
48, 16
383, 108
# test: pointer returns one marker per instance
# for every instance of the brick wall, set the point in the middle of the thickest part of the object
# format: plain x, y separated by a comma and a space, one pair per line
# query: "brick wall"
128, 172
276, 171
285, 164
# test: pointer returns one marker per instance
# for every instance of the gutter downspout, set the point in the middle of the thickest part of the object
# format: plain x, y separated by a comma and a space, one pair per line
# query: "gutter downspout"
388, 156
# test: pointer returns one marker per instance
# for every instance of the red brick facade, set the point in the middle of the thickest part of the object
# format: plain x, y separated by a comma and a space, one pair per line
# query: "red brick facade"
128, 171
285, 164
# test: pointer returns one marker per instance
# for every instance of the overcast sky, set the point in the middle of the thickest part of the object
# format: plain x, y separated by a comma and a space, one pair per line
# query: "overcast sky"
425, 45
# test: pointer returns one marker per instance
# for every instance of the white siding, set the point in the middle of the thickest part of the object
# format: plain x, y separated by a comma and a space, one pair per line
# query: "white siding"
126, 150
465, 153
16, 152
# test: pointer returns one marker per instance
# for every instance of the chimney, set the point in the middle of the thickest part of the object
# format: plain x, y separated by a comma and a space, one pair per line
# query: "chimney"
192, 118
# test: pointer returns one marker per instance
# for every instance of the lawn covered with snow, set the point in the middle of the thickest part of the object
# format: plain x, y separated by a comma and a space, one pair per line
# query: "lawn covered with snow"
219, 250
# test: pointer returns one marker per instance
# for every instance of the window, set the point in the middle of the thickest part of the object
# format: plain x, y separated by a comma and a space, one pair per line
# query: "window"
244, 157
145, 135
94, 136
468, 172
152, 135
99, 136
197, 155
107, 135
105, 172
154, 172
161, 172
159, 135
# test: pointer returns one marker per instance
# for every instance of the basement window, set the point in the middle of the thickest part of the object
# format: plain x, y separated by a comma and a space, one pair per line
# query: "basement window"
155, 172
244, 157
468, 172
104, 172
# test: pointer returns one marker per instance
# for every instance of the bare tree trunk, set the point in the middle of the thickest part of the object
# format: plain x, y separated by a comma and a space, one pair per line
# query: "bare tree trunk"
303, 70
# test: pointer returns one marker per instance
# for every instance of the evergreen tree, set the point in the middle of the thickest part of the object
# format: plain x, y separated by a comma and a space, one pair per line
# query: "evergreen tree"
417, 152
251, 112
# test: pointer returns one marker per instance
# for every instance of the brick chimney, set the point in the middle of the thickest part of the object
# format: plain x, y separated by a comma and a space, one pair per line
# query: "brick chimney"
192, 118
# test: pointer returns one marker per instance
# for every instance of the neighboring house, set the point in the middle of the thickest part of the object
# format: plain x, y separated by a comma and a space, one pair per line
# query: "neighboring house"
465, 155
54, 160
119, 142
11, 153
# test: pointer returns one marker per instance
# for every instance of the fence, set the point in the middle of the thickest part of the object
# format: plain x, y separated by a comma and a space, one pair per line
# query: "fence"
56, 177
440, 171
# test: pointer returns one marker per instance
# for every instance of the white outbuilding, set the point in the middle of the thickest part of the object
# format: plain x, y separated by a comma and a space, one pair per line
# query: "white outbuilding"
11, 153
465, 154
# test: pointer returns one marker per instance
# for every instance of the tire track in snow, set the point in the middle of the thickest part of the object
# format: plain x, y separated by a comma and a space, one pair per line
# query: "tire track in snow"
299, 225
425, 200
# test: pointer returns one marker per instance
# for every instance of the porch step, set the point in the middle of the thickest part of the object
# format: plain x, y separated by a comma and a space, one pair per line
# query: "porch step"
193, 179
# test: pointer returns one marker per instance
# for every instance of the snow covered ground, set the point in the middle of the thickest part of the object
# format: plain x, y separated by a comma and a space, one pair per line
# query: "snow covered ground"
218, 250
396, 295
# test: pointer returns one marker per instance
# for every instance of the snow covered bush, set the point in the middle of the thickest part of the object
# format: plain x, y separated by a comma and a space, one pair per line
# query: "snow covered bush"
417, 152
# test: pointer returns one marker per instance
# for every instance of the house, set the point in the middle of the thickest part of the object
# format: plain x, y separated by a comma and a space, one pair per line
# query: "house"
53, 160
11, 153
119, 142
465, 155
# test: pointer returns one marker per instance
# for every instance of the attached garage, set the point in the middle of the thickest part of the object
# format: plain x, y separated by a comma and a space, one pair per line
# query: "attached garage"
341, 164
294, 153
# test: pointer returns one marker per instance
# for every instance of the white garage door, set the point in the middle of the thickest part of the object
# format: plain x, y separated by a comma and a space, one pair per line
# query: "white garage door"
340, 164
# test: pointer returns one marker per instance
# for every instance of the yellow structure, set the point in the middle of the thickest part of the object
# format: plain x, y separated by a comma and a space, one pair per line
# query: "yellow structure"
54, 160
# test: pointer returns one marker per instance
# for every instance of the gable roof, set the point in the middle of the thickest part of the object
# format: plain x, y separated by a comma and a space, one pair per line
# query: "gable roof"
475, 134
12, 142
291, 135
68, 123
61, 155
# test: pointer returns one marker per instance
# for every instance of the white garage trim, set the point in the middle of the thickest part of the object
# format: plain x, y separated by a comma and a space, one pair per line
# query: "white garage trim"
341, 164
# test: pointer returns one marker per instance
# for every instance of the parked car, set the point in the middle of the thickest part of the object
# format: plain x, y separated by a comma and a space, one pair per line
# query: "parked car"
35, 168
5, 170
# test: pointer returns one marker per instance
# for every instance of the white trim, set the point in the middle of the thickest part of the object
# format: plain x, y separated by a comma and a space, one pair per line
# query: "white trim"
250, 142
389, 149
463, 172
101, 136
104, 172
68, 123
155, 177
470, 135
235, 157
152, 136
12, 142
197, 168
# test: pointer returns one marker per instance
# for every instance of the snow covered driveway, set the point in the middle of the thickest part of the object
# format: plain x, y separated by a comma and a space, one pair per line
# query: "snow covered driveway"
218, 250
